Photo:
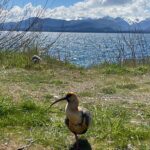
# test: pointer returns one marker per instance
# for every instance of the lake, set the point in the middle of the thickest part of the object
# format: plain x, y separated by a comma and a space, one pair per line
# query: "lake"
87, 49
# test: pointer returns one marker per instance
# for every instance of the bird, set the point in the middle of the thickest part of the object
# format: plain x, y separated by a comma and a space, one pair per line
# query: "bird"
77, 119
36, 59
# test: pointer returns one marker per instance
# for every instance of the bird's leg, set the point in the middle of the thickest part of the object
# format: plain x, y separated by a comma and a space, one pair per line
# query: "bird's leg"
76, 137
77, 143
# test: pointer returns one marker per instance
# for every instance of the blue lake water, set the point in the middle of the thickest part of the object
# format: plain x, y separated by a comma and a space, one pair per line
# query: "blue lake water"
86, 49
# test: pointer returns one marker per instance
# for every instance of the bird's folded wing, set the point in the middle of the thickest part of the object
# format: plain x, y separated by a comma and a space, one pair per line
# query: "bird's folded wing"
86, 118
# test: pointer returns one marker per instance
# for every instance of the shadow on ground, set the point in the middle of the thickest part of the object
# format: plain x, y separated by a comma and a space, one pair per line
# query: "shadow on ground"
83, 145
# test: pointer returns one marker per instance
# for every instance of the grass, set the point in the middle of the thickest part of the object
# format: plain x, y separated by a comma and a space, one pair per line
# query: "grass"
117, 69
112, 125
115, 127
85, 94
129, 86
23, 60
118, 98
109, 90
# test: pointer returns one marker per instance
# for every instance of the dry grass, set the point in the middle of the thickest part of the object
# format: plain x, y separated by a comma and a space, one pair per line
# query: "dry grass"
126, 95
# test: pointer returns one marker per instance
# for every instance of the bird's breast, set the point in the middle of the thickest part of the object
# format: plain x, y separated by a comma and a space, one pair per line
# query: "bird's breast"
76, 122
74, 117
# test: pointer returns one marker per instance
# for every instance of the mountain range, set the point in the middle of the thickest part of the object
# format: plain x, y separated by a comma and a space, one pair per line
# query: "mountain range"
105, 24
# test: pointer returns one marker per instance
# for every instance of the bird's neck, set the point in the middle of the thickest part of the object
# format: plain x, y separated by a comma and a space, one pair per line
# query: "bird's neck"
73, 114
71, 108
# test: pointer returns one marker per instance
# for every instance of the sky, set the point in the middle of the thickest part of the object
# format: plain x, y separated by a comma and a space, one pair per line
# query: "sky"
78, 9
50, 3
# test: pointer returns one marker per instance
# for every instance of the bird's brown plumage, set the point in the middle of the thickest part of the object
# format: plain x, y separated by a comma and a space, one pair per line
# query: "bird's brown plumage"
77, 119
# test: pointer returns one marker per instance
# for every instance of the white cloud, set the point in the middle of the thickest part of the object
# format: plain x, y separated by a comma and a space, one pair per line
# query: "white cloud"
116, 2
17, 13
128, 9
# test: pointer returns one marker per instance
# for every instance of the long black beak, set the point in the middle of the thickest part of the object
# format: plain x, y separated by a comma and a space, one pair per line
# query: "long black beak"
61, 99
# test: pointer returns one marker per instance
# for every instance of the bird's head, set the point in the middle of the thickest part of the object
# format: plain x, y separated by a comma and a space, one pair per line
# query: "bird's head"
71, 98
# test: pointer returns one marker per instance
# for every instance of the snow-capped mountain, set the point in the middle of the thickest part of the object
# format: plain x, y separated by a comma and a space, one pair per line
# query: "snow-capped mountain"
105, 24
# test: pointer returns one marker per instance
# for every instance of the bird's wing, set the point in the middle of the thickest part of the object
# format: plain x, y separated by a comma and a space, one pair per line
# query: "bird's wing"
86, 117
85, 121
81, 127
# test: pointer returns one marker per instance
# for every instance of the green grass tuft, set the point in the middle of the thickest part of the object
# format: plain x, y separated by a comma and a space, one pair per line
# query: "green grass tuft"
127, 86
109, 90
121, 70
6, 106
28, 106
56, 82
86, 94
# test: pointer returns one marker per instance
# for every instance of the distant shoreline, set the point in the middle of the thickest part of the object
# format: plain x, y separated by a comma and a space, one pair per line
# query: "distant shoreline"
133, 32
